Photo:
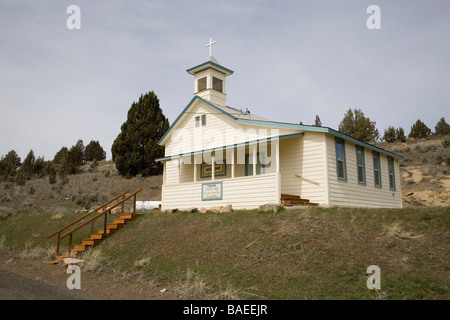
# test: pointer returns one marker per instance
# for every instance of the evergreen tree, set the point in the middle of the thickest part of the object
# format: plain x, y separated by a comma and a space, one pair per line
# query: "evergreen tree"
390, 134
27, 168
419, 130
400, 135
136, 147
75, 157
9, 164
317, 122
358, 126
442, 128
94, 152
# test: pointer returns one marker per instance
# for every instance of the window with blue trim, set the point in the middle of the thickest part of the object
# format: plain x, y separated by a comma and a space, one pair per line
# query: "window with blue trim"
391, 173
360, 165
376, 169
341, 166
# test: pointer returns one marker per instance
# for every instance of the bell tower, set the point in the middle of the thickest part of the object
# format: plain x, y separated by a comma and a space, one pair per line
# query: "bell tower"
209, 79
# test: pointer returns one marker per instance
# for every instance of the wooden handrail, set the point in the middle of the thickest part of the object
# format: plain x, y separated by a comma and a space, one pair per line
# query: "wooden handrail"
306, 179
105, 210
100, 214
87, 214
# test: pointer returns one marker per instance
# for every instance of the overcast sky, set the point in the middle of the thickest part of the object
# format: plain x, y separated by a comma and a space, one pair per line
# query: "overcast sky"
291, 61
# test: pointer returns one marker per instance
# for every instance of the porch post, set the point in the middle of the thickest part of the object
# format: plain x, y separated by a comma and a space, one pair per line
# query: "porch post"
254, 158
195, 169
232, 163
213, 167
277, 156
277, 167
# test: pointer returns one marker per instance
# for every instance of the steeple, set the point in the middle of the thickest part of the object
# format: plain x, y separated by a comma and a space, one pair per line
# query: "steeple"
209, 77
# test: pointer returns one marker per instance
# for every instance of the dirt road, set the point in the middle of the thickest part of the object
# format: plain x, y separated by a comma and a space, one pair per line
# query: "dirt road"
28, 279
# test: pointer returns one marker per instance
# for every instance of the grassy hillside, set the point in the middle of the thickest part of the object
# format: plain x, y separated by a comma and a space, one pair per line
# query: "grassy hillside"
293, 254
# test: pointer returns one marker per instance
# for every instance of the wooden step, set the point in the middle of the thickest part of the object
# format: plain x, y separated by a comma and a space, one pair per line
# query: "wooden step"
126, 216
101, 231
79, 247
119, 221
88, 242
299, 202
293, 200
96, 236
289, 196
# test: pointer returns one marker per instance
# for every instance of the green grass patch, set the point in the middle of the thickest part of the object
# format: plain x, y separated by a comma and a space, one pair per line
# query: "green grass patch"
314, 253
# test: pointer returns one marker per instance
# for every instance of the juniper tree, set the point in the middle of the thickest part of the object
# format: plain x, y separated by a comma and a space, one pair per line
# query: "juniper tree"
442, 128
136, 147
419, 130
94, 152
358, 126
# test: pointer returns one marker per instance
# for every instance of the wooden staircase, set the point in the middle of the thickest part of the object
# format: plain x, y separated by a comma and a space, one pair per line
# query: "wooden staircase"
109, 228
96, 238
291, 200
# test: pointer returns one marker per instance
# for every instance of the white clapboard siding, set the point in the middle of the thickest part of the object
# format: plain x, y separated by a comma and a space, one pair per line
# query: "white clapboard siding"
241, 193
350, 192
219, 131
304, 156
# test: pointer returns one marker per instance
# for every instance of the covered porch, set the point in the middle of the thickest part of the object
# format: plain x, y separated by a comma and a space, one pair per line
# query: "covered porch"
244, 175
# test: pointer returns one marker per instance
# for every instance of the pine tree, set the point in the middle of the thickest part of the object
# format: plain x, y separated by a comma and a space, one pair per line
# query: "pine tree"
400, 135
136, 147
358, 126
419, 130
94, 152
9, 164
390, 134
27, 168
442, 128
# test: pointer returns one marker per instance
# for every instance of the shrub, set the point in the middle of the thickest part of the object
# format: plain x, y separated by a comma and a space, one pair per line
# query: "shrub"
446, 143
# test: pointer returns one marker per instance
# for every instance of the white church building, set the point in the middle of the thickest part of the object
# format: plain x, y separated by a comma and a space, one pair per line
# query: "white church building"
216, 155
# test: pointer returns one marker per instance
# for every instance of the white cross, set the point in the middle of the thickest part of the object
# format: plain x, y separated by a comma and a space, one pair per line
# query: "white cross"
210, 46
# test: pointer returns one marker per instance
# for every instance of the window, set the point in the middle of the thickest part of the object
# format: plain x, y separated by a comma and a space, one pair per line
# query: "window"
376, 169
260, 166
200, 121
201, 84
391, 173
360, 165
340, 160
217, 84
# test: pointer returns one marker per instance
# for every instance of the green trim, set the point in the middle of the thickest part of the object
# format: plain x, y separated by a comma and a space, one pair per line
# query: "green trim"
342, 142
209, 64
363, 165
283, 125
221, 190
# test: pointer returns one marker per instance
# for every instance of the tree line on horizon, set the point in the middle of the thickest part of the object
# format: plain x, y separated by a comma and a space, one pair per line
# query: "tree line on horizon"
65, 162
357, 125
